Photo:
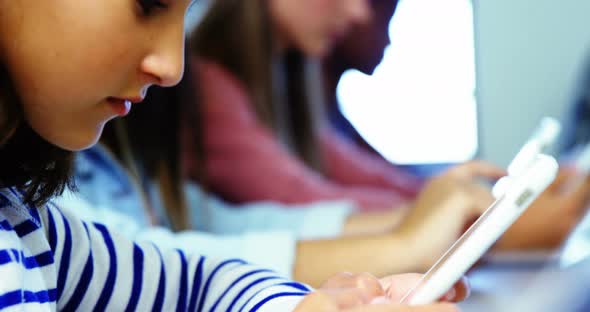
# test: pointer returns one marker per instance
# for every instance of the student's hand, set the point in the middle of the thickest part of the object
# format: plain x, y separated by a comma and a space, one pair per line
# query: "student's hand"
397, 286
446, 204
363, 292
369, 223
550, 219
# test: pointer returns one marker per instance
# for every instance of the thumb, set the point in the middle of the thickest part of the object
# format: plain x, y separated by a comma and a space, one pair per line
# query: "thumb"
477, 168
579, 196
564, 176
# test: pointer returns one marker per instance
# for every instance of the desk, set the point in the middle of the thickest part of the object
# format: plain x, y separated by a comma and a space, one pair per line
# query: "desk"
498, 281
554, 281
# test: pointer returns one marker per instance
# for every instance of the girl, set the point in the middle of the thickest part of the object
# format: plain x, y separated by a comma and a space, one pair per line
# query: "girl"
543, 226
66, 68
266, 105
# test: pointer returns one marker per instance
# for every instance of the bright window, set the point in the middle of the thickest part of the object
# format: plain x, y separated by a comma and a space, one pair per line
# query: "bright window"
419, 107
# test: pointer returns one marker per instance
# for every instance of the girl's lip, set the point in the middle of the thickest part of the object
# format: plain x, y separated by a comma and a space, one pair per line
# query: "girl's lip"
120, 106
134, 100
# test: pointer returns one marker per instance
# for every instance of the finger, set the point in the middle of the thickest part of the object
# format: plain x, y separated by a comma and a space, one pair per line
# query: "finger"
438, 307
365, 283
460, 291
343, 279
369, 285
569, 169
477, 168
346, 298
564, 176
482, 197
579, 197
397, 286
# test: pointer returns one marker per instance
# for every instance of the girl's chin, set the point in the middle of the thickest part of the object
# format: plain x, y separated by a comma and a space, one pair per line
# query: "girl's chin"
78, 145
80, 141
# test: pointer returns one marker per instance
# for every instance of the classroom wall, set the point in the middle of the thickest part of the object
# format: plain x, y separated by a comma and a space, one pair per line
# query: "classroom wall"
529, 54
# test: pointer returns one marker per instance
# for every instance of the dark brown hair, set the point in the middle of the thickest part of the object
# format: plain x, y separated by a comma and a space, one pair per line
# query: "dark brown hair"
237, 35
28, 162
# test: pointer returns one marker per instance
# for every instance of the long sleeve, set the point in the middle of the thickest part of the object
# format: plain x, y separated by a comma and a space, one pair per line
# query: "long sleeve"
349, 164
245, 162
86, 266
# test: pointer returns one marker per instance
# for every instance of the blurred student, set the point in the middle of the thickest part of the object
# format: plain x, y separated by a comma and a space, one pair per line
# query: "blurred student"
262, 139
361, 49
550, 219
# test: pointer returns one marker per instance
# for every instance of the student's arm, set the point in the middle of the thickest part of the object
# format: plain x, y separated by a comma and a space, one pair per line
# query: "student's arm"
99, 269
232, 231
378, 254
245, 162
326, 219
437, 218
349, 164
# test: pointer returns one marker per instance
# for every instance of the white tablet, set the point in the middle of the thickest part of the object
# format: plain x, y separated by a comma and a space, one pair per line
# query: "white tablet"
582, 161
541, 141
547, 133
523, 190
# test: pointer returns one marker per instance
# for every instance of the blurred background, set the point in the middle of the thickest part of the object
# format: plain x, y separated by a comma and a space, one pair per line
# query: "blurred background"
489, 69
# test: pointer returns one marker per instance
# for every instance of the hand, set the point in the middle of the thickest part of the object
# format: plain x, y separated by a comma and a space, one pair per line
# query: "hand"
550, 219
397, 286
446, 204
363, 292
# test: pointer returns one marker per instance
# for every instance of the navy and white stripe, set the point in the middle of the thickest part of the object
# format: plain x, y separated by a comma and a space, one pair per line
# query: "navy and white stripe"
50, 260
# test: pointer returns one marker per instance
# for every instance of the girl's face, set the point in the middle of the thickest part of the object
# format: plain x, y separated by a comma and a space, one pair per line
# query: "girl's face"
314, 26
78, 64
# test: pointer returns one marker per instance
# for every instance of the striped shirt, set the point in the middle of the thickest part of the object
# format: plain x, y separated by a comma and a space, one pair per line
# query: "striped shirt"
51, 260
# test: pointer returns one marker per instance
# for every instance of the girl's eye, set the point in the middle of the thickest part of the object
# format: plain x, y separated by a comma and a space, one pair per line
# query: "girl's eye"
148, 6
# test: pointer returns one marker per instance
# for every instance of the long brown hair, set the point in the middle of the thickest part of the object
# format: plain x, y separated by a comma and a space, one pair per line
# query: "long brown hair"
28, 162
148, 143
238, 35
